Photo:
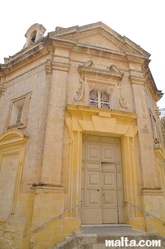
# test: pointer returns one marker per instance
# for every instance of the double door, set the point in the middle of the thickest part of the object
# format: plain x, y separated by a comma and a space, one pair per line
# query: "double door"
102, 186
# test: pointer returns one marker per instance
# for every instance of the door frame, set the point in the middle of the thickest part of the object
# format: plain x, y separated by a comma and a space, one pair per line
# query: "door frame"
100, 122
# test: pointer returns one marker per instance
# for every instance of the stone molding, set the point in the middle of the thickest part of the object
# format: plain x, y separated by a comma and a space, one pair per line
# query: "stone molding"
121, 98
2, 89
157, 94
80, 91
112, 73
12, 142
26, 98
94, 77
152, 191
61, 66
12, 136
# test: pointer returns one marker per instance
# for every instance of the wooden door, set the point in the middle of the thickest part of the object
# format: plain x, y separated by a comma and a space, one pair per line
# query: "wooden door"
102, 188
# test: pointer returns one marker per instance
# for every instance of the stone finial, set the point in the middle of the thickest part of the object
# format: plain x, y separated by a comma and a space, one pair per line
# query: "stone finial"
34, 33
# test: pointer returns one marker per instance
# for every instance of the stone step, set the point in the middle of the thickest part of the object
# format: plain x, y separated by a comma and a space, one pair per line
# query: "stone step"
94, 237
106, 225
107, 229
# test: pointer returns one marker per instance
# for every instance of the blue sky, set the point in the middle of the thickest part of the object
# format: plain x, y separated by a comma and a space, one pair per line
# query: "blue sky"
142, 21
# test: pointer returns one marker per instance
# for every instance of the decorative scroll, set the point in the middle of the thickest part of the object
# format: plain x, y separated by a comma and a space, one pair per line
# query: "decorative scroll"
114, 69
121, 99
109, 90
91, 86
80, 91
154, 127
88, 64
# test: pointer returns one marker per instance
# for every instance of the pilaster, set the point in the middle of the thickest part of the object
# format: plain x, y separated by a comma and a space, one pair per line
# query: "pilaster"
147, 157
49, 193
52, 155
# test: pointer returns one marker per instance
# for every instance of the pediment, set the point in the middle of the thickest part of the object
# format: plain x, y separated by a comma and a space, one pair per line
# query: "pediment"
90, 70
12, 136
99, 35
101, 40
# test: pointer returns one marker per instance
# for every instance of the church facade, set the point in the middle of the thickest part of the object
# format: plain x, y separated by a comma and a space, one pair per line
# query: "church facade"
80, 137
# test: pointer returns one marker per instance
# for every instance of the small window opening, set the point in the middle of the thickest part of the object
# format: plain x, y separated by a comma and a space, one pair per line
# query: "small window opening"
99, 99
19, 115
105, 100
93, 98
33, 37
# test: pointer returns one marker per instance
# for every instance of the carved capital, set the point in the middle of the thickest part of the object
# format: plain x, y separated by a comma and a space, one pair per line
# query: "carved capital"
48, 67
61, 66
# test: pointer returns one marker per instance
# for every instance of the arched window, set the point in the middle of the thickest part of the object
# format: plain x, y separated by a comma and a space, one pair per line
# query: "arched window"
34, 34
99, 99
33, 37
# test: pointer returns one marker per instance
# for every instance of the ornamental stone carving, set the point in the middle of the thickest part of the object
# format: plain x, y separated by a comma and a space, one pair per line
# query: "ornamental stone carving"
80, 91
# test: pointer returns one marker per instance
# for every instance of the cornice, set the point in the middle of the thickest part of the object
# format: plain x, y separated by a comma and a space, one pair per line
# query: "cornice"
136, 47
82, 47
28, 73
157, 94
48, 67
25, 56
34, 52
2, 74
137, 80
2, 89
135, 58
151, 190
61, 66
90, 111
79, 31
47, 45
2, 79
62, 43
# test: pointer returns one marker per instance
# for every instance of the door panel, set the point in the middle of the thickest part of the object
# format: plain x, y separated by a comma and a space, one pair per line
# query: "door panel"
93, 180
93, 198
109, 193
107, 154
93, 152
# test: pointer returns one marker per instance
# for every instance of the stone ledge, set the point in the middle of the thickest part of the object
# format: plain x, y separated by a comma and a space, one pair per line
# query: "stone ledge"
152, 190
